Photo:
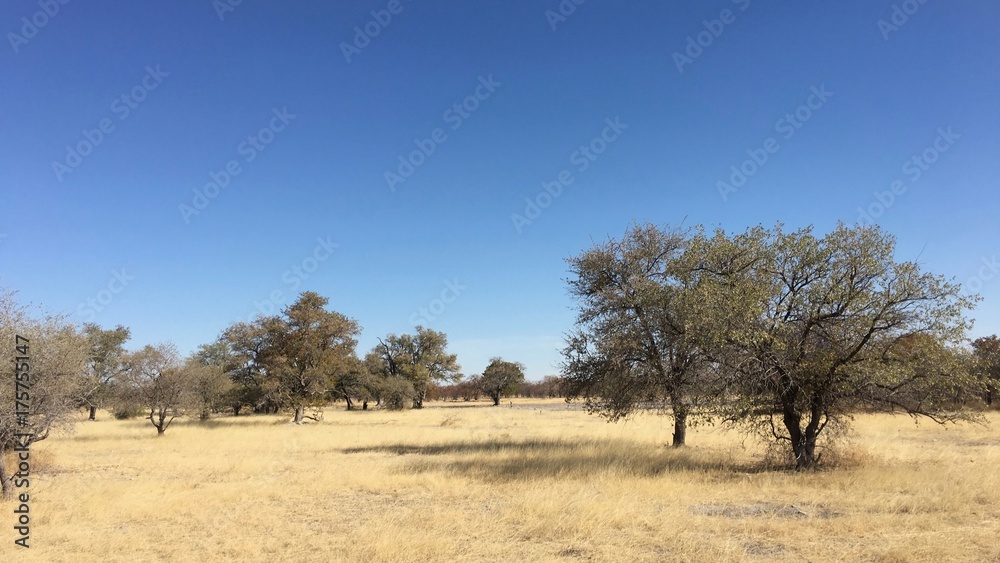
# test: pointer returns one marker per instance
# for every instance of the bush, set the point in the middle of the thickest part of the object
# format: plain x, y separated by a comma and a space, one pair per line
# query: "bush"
127, 411
397, 393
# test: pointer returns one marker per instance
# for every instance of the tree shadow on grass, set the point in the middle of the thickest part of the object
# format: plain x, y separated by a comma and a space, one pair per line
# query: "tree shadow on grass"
523, 460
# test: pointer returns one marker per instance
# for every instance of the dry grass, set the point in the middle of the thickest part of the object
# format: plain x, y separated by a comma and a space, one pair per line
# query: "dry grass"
455, 482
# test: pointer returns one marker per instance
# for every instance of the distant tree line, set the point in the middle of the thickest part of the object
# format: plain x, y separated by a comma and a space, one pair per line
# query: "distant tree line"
471, 389
297, 362
781, 334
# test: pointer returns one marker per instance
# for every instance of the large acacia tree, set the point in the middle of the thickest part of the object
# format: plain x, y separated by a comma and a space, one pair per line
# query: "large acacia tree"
807, 329
634, 345
308, 349
420, 359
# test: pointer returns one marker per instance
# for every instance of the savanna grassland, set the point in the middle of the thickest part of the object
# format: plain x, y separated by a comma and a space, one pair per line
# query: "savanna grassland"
537, 481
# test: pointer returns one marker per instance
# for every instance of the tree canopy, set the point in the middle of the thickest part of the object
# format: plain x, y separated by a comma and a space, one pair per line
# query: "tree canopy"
501, 378
790, 331
420, 358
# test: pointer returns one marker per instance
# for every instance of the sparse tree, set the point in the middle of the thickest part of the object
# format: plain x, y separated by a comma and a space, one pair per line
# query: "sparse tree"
501, 379
56, 371
106, 348
634, 346
156, 379
420, 359
807, 329
211, 388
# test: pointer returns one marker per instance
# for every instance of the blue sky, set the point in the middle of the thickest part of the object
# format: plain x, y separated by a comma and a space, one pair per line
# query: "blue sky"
265, 89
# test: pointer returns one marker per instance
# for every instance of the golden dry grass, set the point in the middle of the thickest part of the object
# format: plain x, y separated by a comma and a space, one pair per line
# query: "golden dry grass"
537, 482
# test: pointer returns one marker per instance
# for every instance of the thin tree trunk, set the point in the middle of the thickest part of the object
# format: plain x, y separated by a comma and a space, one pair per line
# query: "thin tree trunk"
680, 426
93, 413
299, 411
7, 488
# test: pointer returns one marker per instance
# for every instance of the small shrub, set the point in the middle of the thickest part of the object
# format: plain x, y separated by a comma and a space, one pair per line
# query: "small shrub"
397, 394
125, 412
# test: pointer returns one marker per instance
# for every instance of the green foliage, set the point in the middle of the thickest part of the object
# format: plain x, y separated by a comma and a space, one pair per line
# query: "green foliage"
57, 367
635, 344
155, 379
396, 393
419, 358
986, 358
501, 379
210, 388
106, 350
125, 411
790, 332
294, 360
803, 329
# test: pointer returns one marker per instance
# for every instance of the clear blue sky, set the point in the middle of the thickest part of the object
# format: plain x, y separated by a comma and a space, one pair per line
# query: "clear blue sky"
197, 85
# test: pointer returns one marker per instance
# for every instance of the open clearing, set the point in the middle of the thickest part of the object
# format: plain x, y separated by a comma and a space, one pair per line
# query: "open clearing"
466, 481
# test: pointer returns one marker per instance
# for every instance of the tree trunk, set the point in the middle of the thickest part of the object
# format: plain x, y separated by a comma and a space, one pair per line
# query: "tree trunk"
803, 441
93, 413
160, 430
350, 405
299, 411
236, 410
680, 426
805, 453
496, 400
205, 415
364, 405
6, 487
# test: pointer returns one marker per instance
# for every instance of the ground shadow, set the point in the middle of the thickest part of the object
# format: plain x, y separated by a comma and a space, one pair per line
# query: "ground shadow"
513, 460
